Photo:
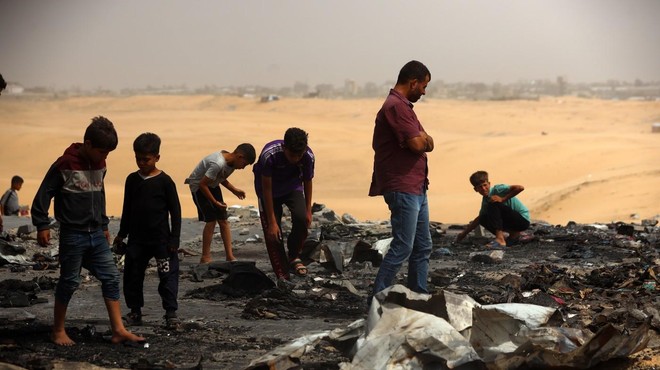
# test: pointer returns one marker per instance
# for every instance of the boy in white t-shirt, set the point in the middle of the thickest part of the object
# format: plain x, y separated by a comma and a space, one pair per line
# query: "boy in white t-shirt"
204, 182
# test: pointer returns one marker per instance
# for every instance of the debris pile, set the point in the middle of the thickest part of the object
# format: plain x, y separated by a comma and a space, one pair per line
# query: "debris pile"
572, 296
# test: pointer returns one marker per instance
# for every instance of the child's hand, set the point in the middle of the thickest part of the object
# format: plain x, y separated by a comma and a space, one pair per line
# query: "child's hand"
240, 194
274, 233
43, 238
220, 204
117, 240
496, 199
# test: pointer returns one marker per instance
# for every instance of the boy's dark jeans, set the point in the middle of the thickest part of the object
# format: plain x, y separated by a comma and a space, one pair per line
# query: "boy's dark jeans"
279, 259
91, 251
499, 216
137, 259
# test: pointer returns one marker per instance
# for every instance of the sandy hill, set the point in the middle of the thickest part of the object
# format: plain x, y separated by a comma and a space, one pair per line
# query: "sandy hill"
579, 159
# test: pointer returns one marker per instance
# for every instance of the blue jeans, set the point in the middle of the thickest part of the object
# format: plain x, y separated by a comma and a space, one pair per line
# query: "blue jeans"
411, 241
89, 250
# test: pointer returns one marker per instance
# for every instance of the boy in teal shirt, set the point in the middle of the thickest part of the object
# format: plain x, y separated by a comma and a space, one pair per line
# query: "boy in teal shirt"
500, 211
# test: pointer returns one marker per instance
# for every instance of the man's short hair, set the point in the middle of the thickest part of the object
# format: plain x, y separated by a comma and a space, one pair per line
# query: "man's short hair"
148, 143
478, 178
248, 152
101, 134
413, 70
3, 83
295, 140
16, 180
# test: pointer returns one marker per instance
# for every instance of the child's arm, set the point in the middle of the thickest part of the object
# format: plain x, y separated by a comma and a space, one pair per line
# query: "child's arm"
471, 226
307, 185
125, 213
240, 194
174, 208
513, 191
274, 232
204, 187
3, 200
51, 184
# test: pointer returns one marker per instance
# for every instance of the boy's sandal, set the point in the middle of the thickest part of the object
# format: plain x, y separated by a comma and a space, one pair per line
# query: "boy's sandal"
495, 245
521, 239
172, 323
513, 241
133, 319
298, 267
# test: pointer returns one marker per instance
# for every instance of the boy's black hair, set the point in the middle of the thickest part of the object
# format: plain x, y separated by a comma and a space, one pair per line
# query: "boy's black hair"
295, 140
3, 83
478, 178
248, 152
148, 143
413, 70
16, 180
101, 134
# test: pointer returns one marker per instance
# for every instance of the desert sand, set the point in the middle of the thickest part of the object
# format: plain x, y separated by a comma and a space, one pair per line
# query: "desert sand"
580, 160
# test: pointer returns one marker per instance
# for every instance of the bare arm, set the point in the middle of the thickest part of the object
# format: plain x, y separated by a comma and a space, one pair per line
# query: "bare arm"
513, 191
267, 191
308, 200
240, 194
204, 187
420, 144
471, 226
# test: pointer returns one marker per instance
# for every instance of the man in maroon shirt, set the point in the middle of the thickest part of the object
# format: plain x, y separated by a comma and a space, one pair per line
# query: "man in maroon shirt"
400, 175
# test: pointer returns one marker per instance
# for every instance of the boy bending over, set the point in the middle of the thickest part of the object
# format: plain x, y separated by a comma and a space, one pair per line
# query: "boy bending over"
283, 176
204, 181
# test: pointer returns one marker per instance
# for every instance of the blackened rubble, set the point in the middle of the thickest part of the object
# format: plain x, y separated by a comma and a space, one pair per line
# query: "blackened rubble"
595, 275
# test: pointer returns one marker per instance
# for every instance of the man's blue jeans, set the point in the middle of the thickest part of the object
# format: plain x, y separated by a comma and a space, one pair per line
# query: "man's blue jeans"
89, 250
411, 241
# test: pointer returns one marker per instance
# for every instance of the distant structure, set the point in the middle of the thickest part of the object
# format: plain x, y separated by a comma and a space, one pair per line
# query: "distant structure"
14, 89
561, 86
269, 98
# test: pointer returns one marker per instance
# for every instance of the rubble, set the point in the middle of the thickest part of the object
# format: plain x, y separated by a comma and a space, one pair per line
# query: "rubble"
573, 296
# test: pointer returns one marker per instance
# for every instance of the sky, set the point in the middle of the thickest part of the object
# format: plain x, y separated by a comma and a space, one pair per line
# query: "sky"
132, 44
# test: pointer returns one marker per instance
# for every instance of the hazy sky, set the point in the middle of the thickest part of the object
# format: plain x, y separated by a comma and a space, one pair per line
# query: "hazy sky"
131, 43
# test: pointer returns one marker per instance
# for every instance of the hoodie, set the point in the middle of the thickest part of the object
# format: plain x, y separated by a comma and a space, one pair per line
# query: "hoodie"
76, 184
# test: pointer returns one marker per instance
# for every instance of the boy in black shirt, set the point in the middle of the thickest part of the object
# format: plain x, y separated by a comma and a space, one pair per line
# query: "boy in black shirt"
151, 202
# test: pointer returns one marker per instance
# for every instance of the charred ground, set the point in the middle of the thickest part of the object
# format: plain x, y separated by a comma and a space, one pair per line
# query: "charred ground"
594, 274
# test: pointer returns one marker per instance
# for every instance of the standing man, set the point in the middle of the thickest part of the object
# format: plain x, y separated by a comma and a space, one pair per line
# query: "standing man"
400, 176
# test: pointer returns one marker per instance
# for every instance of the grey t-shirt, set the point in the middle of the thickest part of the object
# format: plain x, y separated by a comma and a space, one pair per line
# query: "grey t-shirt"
9, 202
212, 166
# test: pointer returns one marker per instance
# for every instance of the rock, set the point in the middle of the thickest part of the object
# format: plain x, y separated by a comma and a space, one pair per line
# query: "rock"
348, 219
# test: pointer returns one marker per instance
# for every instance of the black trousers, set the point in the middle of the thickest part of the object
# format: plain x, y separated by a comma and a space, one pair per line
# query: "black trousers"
499, 216
136, 262
279, 258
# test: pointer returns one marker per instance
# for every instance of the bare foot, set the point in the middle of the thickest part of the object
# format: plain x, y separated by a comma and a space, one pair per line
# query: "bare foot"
125, 336
231, 259
61, 339
205, 260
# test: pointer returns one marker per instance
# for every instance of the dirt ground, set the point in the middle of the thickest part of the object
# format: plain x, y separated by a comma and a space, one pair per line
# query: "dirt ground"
594, 274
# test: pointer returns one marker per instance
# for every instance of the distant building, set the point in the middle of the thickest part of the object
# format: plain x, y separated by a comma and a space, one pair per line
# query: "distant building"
13, 89
269, 98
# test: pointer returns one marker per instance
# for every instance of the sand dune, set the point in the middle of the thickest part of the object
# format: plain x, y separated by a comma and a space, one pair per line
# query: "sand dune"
582, 160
